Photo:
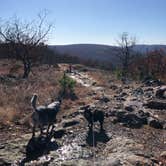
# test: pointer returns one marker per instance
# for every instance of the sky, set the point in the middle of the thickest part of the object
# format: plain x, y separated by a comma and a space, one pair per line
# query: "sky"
94, 21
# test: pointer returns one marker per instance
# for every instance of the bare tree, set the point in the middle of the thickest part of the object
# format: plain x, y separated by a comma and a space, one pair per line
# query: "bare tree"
125, 51
24, 38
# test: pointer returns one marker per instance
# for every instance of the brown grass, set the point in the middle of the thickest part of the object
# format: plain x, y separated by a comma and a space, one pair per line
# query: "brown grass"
8, 116
16, 93
104, 78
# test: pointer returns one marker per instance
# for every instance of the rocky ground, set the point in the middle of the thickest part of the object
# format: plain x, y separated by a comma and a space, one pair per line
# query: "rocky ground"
134, 129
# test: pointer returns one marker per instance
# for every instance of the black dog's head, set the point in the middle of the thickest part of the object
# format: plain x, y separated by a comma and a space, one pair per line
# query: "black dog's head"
88, 114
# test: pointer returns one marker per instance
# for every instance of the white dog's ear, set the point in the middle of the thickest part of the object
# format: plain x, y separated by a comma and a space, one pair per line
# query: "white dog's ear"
34, 97
35, 94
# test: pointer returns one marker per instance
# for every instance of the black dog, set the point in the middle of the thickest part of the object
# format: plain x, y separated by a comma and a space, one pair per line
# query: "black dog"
95, 116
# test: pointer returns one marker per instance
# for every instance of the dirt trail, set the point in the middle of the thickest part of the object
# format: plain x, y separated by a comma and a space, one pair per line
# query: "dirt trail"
86, 81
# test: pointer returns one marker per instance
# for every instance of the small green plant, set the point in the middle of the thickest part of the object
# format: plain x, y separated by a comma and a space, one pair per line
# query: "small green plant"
67, 85
118, 73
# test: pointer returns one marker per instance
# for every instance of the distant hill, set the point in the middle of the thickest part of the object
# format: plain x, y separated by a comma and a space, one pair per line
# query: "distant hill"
143, 48
99, 52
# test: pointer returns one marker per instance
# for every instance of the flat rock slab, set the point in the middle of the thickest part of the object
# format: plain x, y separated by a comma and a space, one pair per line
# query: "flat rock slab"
125, 151
156, 104
70, 123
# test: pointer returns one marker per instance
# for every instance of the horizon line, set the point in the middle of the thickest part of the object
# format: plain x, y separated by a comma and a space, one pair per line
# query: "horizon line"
147, 44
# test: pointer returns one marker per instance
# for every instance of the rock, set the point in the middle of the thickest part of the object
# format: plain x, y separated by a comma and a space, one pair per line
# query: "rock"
119, 98
143, 114
2, 146
113, 87
152, 82
112, 162
155, 104
125, 151
160, 93
134, 99
127, 87
86, 106
120, 114
94, 83
138, 91
123, 94
164, 125
164, 95
4, 163
148, 89
163, 154
155, 123
163, 158
114, 120
148, 94
70, 123
129, 108
139, 160
74, 114
105, 99
113, 113
59, 133
131, 120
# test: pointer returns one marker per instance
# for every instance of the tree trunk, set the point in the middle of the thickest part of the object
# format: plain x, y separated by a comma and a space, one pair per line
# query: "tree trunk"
27, 69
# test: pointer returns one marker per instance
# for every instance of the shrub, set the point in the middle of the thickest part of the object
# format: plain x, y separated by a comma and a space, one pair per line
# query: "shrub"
67, 85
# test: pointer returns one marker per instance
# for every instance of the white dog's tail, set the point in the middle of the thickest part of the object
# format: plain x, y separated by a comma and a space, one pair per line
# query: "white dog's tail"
33, 101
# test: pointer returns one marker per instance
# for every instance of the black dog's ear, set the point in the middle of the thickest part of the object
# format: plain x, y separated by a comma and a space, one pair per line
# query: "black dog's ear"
86, 107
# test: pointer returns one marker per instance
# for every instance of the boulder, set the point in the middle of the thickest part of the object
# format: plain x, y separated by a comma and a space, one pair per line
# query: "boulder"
156, 104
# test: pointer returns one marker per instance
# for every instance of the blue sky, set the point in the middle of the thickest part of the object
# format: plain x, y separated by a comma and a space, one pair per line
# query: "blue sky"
95, 21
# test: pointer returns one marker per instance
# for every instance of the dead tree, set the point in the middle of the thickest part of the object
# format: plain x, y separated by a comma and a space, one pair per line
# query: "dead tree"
125, 52
24, 38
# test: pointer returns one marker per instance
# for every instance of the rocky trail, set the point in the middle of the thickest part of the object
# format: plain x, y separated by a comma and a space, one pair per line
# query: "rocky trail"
86, 81
134, 131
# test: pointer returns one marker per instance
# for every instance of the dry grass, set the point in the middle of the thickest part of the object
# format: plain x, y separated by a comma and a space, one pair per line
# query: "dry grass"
16, 93
8, 116
104, 78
